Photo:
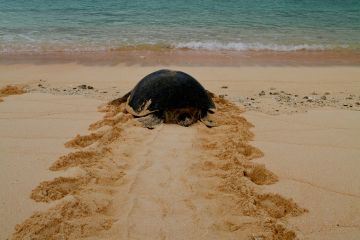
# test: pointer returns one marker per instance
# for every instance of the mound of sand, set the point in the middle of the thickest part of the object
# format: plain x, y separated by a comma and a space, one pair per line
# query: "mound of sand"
11, 90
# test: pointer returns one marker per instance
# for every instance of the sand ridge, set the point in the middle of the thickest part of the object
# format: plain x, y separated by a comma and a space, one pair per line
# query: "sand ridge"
85, 199
170, 182
240, 177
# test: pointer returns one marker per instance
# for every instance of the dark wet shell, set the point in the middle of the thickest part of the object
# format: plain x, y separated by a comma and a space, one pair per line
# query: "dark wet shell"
169, 90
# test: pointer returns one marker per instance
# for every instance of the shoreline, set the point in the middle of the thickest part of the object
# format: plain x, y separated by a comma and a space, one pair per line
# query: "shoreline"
189, 57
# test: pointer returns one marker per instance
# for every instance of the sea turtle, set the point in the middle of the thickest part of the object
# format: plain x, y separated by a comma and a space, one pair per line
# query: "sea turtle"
171, 97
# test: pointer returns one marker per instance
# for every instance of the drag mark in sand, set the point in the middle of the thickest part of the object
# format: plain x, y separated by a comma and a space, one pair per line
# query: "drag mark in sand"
168, 183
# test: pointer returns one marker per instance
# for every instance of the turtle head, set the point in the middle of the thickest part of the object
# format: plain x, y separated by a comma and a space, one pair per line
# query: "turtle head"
182, 116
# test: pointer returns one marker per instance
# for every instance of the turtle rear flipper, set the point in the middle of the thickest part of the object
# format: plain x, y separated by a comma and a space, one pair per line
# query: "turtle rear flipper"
150, 121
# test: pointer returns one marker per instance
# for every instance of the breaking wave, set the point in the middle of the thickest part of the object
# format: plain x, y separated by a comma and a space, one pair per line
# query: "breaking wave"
238, 46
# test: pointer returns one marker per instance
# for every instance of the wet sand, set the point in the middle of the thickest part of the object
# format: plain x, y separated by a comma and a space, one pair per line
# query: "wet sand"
150, 56
173, 182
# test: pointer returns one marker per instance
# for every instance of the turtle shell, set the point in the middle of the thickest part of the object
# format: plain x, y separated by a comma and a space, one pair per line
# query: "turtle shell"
167, 90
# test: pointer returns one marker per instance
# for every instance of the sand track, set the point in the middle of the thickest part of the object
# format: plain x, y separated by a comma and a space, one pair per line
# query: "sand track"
157, 198
168, 183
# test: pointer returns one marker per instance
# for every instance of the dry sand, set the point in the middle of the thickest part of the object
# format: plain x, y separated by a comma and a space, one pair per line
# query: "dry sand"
124, 181
33, 128
316, 157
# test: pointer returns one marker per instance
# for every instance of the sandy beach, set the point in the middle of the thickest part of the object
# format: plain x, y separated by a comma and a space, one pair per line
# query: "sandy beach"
282, 164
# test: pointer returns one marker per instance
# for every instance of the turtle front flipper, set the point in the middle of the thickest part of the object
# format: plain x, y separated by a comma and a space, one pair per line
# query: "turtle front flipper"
208, 122
121, 100
150, 121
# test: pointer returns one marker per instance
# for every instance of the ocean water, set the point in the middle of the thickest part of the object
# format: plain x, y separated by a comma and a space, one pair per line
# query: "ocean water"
98, 25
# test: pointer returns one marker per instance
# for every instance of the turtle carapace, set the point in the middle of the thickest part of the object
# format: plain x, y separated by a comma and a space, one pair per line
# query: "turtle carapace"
171, 97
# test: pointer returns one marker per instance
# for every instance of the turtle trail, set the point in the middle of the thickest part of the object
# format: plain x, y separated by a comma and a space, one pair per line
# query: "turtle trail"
158, 191
171, 182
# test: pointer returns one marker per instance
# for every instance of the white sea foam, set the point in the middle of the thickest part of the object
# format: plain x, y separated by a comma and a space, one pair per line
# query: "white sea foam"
38, 47
238, 46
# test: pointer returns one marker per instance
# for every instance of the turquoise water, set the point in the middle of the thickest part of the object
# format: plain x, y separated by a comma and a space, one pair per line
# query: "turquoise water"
96, 25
